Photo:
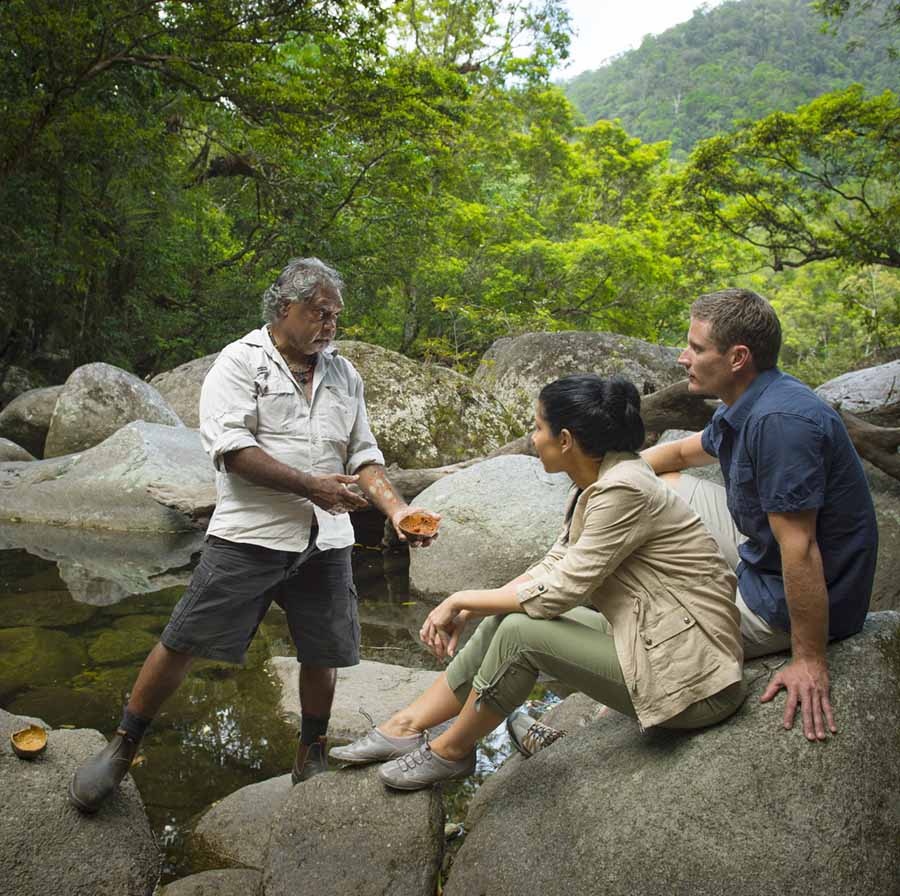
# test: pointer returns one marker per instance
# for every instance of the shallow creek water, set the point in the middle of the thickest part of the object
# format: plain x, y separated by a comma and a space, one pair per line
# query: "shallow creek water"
78, 613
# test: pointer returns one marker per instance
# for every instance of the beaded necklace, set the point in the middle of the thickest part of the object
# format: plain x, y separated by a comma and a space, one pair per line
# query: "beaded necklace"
303, 373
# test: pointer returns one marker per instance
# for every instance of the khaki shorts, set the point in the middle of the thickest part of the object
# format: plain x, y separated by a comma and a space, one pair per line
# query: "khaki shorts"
710, 502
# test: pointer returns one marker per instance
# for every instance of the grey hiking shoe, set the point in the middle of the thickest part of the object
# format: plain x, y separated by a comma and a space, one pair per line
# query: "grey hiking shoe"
423, 767
529, 736
376, 747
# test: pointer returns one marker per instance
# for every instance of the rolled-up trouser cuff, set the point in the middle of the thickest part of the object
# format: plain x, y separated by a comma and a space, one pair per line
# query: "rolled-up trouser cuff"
507, 689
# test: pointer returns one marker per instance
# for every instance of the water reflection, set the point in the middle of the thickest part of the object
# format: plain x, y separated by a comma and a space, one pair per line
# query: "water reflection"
73, 662
103, 568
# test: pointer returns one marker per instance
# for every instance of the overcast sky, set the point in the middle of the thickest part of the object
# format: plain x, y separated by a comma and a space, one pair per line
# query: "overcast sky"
607, 27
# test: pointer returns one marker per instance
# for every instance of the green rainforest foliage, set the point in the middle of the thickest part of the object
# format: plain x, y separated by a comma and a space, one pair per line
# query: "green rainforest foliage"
160, 161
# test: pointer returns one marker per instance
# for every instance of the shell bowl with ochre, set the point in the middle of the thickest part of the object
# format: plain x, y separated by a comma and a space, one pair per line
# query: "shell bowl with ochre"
419, 524
29, 742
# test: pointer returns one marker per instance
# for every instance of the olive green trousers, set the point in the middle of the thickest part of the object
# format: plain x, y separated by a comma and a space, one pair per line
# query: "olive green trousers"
505, 655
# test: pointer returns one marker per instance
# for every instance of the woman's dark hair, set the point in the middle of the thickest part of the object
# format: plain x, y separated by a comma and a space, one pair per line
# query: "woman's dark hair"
602, 414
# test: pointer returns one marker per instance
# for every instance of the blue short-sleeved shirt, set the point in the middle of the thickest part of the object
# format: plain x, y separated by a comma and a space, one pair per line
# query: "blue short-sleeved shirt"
782, 449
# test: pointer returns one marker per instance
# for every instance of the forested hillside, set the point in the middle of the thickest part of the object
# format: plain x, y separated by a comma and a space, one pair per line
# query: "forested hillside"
161, 161
737, 61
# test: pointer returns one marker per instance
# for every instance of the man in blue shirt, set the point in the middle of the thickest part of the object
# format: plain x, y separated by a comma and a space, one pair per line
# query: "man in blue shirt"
795, 518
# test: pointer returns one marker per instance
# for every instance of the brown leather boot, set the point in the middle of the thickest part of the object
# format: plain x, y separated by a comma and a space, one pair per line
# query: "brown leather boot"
101, 775
311, 759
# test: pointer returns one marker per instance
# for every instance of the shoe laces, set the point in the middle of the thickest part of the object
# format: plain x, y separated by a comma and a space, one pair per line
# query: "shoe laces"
539, 736
367, 717
421, 756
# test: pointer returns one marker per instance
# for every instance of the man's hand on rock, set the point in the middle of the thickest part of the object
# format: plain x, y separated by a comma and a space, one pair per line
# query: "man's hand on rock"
806, 683
330, 492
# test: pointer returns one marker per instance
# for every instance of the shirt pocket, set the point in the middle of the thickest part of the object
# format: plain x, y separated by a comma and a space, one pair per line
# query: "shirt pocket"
676, 652
744, 495
335, 413
277, 410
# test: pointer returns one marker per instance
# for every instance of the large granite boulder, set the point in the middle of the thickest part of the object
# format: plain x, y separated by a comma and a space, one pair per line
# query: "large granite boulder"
345, 833
26, 419
235, 831
872, 393
379, 688
105, 487
515, 369
11, 451
739, 809
96, 401
499, 517
181, 385
47, 846
424, 415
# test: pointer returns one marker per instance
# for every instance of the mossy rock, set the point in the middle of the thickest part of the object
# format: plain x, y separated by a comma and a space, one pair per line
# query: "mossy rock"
60, 706
31, 656
117, 646
424, 415
48, 609
257, 654
111, 683
162, 602
148, 622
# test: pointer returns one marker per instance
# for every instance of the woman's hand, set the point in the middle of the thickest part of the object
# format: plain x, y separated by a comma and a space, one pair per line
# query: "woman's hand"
442, 627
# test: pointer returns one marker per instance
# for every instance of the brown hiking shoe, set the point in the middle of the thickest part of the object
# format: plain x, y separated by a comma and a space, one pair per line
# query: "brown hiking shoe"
98, 778
311, 759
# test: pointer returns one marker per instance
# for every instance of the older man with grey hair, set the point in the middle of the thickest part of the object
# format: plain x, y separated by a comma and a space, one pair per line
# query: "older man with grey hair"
282, 416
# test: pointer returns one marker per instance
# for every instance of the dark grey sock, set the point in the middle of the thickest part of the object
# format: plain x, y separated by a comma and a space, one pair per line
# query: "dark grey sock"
133, 725
311, 728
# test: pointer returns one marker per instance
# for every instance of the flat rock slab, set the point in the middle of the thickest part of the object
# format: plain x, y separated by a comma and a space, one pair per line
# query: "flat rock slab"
379, 688
740, 809
105, 487
228, 882
47, 847
499, 517
236, 830
345, 834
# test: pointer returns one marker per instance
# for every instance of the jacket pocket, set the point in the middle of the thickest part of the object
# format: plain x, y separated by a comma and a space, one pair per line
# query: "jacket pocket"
676, 651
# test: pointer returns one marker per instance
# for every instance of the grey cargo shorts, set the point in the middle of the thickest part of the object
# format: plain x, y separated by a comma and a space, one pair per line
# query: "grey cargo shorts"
233, 586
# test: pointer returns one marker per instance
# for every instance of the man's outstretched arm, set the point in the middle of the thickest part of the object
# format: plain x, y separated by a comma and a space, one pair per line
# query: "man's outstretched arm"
805, 678
375, 485
672, 457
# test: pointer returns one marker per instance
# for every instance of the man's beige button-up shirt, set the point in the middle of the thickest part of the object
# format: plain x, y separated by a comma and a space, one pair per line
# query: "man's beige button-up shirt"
249, 398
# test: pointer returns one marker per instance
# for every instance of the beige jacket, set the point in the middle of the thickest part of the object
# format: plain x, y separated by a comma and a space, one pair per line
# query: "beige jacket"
641, 556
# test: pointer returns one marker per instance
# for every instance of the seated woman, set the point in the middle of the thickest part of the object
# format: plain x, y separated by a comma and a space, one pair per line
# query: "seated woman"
665, 646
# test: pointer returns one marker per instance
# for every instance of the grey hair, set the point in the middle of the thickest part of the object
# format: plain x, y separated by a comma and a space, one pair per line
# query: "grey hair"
300, 281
